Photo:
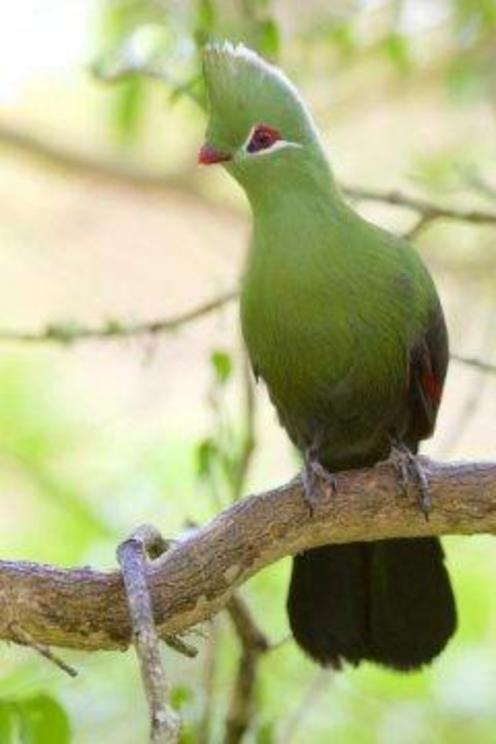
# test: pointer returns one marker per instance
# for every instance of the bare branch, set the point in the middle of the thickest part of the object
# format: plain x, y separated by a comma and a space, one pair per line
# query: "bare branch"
253, 645
479, 364
87, 609
478, 384
83, 165
241, 706
209, 678
129, 65
247, 445
164, 722
427, 209
319, 684
422, 221
246, 628
24, 639
69, 333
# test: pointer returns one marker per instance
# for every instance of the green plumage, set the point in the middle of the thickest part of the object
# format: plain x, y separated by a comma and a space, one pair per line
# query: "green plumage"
339, 304
343, 323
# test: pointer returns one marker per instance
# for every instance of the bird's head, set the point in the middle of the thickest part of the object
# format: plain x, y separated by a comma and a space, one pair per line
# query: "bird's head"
259, 127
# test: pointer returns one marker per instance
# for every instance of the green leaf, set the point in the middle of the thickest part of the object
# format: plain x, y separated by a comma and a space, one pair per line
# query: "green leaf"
475, 16
129, 108
467, 79
63, 332
343, 37
205, 21
265, 733
222, 364
193, 88
206, 451
268, 38
43, 721
187, 735
206, 15
396, 47
180, 696
7, 723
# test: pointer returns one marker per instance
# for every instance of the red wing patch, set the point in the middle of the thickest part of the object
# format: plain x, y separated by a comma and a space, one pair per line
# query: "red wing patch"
432, 387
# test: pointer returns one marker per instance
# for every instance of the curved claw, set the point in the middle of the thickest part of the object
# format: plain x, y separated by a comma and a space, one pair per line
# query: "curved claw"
314, 475
408, 468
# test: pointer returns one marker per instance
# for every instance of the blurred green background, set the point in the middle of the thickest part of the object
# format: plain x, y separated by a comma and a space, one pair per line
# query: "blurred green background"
105, 218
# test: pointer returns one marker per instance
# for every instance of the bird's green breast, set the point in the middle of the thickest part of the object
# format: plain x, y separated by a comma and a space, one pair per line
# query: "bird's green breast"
330, 308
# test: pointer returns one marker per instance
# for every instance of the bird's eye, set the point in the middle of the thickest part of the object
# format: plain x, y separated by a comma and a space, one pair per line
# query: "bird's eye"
262, 138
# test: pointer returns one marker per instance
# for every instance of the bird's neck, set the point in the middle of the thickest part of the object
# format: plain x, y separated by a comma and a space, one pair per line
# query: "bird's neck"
293, 210
290, 183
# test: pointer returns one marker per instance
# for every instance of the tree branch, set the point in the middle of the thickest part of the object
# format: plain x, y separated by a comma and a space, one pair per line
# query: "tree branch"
87, 609
69, 333
426, 209
253, 645
146, 542
479, 364
82, 165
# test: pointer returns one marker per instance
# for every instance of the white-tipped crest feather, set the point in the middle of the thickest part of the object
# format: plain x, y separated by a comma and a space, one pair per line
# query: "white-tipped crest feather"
245, 89
241, 52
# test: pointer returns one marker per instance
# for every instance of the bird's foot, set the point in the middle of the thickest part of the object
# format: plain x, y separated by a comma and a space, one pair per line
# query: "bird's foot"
410, 470
314, 476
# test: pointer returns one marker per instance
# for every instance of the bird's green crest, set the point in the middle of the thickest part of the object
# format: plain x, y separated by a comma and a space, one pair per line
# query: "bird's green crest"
243, 90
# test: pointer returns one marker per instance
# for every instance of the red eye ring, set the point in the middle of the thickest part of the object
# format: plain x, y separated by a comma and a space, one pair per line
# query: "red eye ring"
262, 138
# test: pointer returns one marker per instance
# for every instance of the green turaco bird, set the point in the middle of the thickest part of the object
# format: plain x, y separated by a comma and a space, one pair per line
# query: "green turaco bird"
343, 324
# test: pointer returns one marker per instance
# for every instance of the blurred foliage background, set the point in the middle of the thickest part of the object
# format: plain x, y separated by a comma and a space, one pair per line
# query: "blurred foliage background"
106, 221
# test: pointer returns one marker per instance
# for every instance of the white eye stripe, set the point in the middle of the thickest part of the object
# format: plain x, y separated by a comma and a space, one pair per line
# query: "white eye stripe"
279, 144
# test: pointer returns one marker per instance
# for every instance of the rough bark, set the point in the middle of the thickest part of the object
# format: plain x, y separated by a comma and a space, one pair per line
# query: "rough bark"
86, 609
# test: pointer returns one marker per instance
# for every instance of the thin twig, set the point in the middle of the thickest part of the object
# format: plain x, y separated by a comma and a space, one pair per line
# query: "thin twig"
84, 165
25, 639
276, 645
209, 677
70, 333
246, 628
426, 208
247, 446
181, 646
479, 364
420, 224
480, 379
253, 644
241, 706
294, 721
129, 67
164, 722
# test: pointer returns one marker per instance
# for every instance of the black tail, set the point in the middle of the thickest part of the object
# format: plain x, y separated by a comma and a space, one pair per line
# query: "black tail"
389, 602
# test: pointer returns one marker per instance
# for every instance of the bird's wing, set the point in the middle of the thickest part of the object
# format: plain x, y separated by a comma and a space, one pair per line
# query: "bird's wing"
428, 363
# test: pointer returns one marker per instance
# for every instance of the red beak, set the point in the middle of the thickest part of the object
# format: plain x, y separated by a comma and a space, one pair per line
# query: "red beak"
208, 155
